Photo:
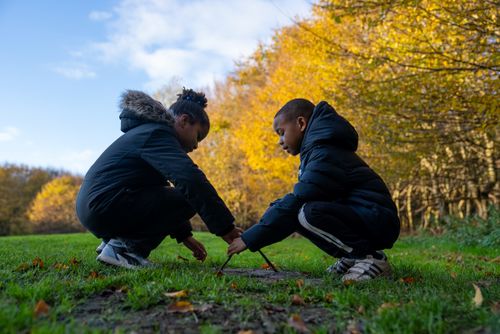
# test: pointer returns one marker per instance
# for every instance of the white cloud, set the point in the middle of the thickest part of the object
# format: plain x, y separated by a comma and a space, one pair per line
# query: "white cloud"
8, 133
196, 40
75, 71
100, 15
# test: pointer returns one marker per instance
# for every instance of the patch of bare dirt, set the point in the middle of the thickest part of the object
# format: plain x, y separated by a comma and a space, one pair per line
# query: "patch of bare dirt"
271, 276
107, 311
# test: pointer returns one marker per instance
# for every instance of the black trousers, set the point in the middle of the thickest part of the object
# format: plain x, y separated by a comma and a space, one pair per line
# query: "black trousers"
335, 228
143, 217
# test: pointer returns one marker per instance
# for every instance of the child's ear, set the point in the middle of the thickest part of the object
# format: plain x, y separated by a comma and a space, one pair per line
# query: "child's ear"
183, 120
302, 123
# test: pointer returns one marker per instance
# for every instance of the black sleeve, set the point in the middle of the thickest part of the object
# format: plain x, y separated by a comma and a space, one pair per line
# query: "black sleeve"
184, 231
277, 223
163, 151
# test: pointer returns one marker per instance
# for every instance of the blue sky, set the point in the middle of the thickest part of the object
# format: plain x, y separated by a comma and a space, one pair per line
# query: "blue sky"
64, 64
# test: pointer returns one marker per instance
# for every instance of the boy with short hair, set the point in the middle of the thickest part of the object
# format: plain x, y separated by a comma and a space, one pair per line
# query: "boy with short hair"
339, 203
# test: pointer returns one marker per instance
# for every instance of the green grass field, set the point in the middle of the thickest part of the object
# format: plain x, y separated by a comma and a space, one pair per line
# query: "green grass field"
431, 292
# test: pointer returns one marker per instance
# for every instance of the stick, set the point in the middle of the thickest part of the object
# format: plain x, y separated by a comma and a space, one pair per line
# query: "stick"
268, 262
222, 267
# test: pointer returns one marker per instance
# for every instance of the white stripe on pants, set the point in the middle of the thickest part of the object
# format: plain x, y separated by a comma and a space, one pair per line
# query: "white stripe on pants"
320, 233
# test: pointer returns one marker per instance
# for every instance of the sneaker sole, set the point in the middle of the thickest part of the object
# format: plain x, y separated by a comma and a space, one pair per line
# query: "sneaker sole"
112, 261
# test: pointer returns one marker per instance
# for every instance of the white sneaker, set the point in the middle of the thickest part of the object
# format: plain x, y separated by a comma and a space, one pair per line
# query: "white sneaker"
341, 266
368, 268
99, 248
115, 253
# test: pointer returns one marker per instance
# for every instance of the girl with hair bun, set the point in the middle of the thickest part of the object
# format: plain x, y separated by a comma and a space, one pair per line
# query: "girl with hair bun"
144, 186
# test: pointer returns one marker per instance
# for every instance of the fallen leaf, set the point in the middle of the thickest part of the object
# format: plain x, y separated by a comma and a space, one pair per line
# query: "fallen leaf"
179, 257
300, 283
329, 298
265, 266
361, 309
60, 266
478, 297
297, 300
74, 262
407, 280
219, 273
181, 306
41, 308
453, 275
495, 260
176, 294
386, 306
246, 332
348, 282
37, 262
23, 267
94, 275
234, 286
298, 324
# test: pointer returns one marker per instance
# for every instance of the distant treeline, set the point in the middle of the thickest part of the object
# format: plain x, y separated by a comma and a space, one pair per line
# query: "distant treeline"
37, 200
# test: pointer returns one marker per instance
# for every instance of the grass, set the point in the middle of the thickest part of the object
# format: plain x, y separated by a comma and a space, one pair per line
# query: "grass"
431, 291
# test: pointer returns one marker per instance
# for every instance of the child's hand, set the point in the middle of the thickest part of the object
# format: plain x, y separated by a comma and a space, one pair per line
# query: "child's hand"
237, 246
197, 247
235, 233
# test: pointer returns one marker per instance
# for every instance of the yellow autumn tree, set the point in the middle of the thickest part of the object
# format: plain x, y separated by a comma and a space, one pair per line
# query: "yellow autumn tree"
53, 209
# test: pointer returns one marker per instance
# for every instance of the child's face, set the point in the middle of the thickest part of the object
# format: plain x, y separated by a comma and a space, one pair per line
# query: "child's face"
291, 132
189, 134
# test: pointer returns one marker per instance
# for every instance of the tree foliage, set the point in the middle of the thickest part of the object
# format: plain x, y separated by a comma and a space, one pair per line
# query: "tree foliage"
18, 187
53, 209
418, 79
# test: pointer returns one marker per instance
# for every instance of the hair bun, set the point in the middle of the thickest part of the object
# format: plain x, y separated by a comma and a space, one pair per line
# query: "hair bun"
191, 95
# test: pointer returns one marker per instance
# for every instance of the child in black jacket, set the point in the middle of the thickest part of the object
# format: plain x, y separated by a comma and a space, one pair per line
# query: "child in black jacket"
145, 187
339, 203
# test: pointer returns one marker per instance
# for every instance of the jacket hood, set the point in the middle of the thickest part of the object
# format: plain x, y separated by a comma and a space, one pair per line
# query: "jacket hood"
328, 127
138, 108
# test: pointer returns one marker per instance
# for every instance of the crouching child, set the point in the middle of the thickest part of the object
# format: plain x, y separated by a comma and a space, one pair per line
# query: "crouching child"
339, 203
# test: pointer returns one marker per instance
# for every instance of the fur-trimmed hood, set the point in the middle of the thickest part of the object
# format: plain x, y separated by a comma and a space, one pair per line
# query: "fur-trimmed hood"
138, 108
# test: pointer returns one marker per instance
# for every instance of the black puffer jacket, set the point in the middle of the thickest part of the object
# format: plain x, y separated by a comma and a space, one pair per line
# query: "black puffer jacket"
148, 154
330, 170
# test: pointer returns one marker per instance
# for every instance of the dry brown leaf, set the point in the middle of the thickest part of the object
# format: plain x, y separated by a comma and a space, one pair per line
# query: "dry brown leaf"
349, 282
298, 324
361, 309
495, 260
74, 261
386, 306
300, 283
37, 262
60, 266
94, 275
297, 300
265, 266
407, 280
246, 332
234, 286
41, 308
181, 306
329, 298
176, 294
453, 275
478, 297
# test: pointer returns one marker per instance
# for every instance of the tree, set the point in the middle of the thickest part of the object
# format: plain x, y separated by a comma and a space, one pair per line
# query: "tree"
53, 209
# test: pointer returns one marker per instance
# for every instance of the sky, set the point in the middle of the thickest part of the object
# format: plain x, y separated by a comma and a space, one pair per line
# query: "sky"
64, 64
